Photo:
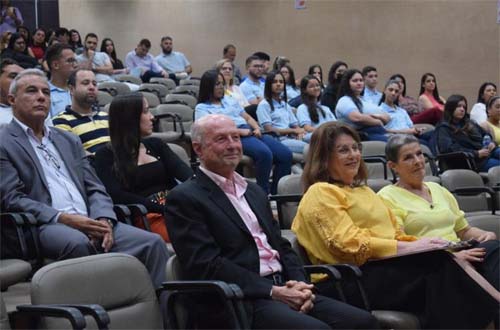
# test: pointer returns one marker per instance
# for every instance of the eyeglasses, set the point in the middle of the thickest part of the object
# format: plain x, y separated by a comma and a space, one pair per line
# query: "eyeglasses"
344, 150
49, 156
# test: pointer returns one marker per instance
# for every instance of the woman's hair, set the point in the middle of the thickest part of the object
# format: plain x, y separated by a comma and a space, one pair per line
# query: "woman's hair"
331, 73
77, 44
435, 92
279, 62
311, 71
345, 88
219, 65
28, 39
291, 73
12, 41
390, 82
44, 44
490, 103
268, 88
311, 104
124, 130
400, 76
321, 149
103, 48
450, 106
480, 98
207, 85
395, 143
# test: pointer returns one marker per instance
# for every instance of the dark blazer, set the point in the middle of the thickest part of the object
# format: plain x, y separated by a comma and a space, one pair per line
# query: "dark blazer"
213, 243
23, 187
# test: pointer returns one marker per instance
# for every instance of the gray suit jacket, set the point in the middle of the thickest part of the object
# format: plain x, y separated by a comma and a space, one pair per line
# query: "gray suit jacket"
23, 187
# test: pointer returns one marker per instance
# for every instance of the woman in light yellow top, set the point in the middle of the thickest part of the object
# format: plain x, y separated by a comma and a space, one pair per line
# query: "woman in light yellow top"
340, 220
428, 209
492, 124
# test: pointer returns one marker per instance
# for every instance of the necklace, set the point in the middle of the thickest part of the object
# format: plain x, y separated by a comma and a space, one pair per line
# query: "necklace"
423, 192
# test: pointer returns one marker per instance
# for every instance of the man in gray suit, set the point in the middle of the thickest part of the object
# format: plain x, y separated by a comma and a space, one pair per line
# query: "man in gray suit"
44, 171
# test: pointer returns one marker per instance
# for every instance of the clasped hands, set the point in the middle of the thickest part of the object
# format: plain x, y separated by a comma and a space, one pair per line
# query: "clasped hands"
98, 231
297, 295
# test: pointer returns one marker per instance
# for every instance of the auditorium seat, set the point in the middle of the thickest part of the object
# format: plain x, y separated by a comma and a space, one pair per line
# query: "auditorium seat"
113, 88
167, 82
152, 98
128, 78
158, 89
195, 82
186, 99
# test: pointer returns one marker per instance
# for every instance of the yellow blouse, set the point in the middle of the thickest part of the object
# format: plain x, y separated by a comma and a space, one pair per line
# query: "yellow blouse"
441, 218
496, 132
345, 225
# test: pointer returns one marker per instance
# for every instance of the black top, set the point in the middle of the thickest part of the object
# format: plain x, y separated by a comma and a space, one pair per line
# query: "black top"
117, 64
25, 61
329, 96
149, 178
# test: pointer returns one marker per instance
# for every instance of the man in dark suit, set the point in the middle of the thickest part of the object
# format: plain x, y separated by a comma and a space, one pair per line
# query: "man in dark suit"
222, 229
44, 171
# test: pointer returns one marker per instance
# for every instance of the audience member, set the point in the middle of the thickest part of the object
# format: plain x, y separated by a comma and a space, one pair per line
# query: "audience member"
82, 117
226, 68
478, 112
351, 108
62, 35
291, 87
229, 53
135, 168
10, 17
25, 33
427, 209
458, 133
370, 93
277, 117
429, 101
4, 41
405, 101
174, 63
222, 229
492, 125
341, 220
61, 62
312, 113
95, 61
17, 50
75, 41
317, 71
108, 47
329, 96
8, 71
38, 46
279, 62
263, 149
142, 64
253, 86
59, 188
266, 61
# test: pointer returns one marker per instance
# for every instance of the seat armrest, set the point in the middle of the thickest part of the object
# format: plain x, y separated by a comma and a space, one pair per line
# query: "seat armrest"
471, 191
378, 159
352, 272
123, 214
99, 314
334, 276
280, 199
72, 314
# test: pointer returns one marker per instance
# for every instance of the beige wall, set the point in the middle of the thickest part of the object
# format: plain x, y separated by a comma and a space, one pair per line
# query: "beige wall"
458, 40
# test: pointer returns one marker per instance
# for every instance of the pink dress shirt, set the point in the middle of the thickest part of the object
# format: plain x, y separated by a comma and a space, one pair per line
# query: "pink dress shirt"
235, 191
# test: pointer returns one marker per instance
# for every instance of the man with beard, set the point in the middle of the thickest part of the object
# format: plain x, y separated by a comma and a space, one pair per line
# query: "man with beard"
173, 62
82, 117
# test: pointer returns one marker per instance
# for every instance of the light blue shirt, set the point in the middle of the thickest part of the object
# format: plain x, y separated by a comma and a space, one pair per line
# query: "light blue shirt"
59, 99
305, 119
66, 197
346, 105
173, 62
252, 90
291, 92
228, 107
399, 117
100, 59
146, 63
372, 96
281, 117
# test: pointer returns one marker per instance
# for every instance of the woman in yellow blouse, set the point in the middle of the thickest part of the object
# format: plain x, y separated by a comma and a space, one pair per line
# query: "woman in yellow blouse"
492, 124
341, 220
426, 209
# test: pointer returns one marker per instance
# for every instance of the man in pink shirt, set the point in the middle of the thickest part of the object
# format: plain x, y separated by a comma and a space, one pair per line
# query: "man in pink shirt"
222, 228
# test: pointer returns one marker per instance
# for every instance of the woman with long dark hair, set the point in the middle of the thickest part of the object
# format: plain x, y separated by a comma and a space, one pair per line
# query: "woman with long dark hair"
291, 87
317, 71
75, 41
364, 116
458, 133
263, 149
485, 93
330, 94
276, 116
312, 113
405, 101
38, 45
136, 168
108, 47
18, 51
430, 103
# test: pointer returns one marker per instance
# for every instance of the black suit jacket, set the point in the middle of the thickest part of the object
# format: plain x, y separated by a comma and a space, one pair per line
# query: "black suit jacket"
213, 243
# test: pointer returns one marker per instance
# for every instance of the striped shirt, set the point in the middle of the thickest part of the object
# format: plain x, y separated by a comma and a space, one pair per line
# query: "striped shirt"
92, 129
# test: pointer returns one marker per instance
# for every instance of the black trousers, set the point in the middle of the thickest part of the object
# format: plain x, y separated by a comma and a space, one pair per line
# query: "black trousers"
430, 285
489, 266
